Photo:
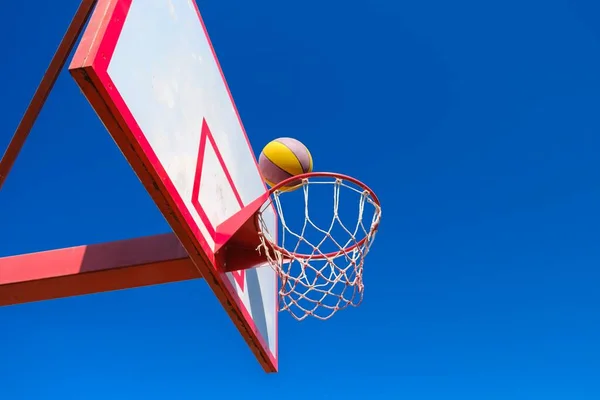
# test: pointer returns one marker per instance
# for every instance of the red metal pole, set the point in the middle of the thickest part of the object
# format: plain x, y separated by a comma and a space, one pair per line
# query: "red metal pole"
95, 268
45, 87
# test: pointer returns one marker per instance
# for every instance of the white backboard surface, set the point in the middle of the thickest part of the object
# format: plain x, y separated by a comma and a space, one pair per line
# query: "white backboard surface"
160, 90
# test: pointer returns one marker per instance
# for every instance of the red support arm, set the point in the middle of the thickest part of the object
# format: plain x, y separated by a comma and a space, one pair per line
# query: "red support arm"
45, 87
95, 268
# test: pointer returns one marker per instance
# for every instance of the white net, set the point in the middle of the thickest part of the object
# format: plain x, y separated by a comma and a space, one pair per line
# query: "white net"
321, 252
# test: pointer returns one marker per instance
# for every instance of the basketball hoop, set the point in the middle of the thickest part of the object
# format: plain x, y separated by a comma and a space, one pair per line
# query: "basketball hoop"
320, 258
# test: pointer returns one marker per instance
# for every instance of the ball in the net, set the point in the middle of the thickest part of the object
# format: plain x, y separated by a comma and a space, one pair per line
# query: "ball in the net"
283, 158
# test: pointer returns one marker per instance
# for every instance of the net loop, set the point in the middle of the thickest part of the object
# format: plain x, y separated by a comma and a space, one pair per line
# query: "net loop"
321, 253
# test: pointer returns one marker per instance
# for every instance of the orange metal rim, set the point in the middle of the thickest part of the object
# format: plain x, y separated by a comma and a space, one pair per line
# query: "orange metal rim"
306, 177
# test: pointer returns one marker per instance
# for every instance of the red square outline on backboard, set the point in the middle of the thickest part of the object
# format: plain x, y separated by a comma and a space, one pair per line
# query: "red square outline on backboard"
207, 137
89, 67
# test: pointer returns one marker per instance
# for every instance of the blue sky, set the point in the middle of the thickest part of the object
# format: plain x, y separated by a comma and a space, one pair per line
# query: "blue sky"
475, 122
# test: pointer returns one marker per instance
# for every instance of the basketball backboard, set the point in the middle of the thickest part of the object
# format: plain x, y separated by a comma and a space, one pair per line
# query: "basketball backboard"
149, 70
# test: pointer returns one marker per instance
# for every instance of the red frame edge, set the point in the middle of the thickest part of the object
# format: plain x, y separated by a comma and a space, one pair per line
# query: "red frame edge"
88, 68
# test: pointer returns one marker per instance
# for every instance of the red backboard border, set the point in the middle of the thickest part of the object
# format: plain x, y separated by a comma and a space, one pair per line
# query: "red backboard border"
89, 69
